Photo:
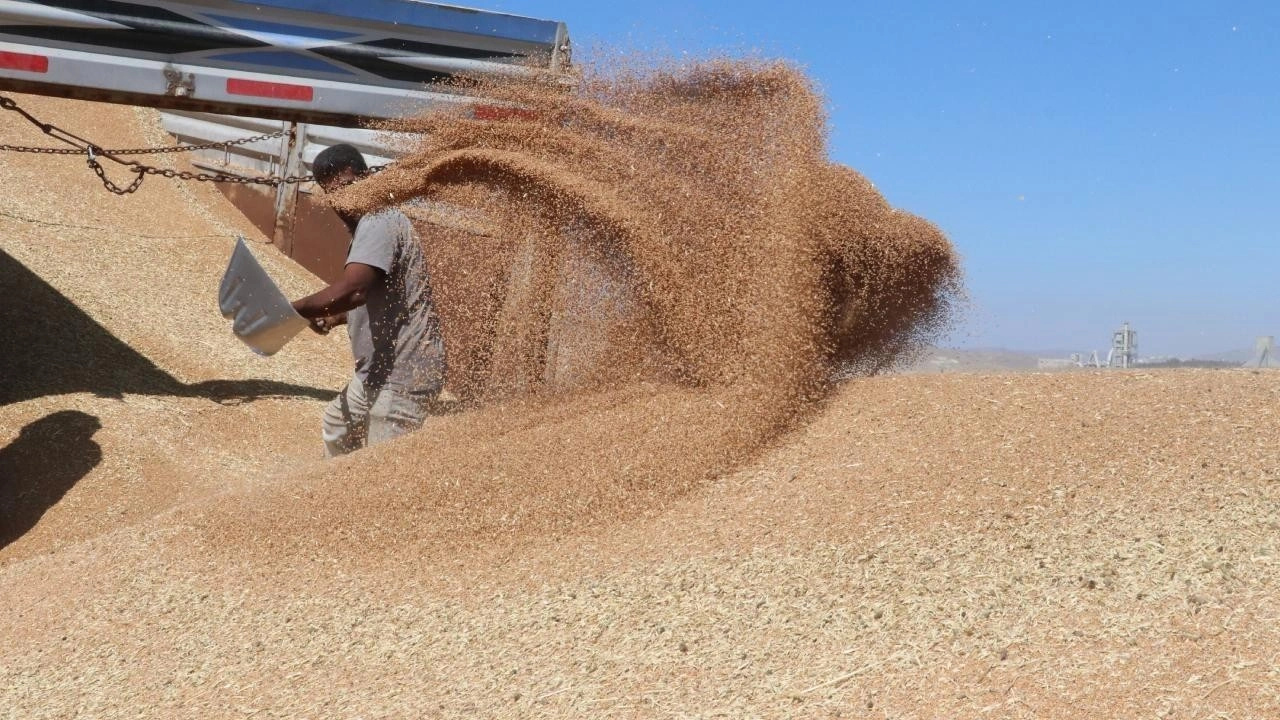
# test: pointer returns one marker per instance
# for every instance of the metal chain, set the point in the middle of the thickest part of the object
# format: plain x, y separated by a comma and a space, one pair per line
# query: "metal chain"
219, 177
146, 151
202, 146
40, 150
91, 151
143, 171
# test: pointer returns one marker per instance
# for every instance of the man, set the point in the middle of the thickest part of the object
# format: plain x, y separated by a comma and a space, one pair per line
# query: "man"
384, 298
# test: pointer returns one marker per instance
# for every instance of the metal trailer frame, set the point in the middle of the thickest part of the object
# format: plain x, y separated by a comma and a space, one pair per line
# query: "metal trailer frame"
329, 62
315, 69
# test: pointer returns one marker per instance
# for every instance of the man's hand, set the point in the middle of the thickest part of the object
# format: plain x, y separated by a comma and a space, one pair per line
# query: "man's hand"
322, 325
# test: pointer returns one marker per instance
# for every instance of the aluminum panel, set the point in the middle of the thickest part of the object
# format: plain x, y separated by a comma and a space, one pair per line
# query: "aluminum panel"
302, 60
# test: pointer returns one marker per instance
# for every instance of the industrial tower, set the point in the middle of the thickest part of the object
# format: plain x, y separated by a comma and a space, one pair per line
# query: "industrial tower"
1124, 348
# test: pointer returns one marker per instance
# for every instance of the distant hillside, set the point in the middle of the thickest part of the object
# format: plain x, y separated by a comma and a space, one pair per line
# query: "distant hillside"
976, 360
1002, 359
1203, 364
1239, 356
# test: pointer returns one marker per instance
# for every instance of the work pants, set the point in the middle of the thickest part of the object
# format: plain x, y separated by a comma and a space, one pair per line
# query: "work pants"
360, 417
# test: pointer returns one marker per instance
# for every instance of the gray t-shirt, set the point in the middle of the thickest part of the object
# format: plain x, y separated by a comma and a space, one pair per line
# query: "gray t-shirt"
395, 335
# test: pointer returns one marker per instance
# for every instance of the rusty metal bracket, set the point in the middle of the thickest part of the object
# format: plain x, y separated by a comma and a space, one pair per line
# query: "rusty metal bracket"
179, 84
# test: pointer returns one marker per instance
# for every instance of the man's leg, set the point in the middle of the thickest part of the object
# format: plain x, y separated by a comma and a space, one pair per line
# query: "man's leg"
397, 412
346, 420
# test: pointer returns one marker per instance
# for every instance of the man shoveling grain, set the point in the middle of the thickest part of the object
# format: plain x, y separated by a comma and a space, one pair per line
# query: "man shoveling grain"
384, 297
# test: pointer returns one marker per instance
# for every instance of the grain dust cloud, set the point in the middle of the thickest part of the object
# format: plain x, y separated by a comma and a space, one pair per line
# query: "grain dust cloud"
643, 280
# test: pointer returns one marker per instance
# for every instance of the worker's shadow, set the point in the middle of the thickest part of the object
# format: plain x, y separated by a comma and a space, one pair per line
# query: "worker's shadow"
236, 392
48, 346
48, 458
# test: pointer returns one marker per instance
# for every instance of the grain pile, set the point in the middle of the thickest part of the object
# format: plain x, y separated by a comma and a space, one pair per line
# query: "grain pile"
1031, 545
1024, 546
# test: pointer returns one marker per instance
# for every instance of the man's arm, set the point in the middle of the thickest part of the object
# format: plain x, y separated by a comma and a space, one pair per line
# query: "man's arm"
348, 293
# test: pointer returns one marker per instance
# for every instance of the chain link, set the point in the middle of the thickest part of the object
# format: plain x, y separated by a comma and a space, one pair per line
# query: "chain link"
91, 151
108, 184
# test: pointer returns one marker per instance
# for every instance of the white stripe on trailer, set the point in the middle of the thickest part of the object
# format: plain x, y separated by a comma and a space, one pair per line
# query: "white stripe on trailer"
25, 13
439, 63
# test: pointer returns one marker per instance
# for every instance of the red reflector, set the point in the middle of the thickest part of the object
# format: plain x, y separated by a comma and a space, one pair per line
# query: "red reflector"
497, 112
23, 61
278, 91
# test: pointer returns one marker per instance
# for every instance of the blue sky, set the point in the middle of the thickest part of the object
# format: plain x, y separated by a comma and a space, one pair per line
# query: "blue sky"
1093, 162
